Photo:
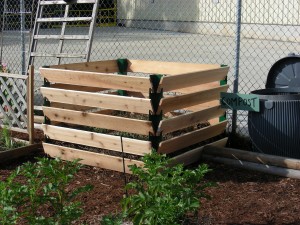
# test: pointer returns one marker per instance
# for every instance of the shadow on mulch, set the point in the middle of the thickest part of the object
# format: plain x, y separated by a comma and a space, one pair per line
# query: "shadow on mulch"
237, 175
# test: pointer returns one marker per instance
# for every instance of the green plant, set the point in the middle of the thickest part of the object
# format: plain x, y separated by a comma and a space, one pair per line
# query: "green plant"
164, 194
10, 195
112, 220
45, 187
6, 141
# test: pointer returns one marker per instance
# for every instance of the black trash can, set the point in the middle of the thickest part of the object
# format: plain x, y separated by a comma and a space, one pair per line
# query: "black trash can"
275, 129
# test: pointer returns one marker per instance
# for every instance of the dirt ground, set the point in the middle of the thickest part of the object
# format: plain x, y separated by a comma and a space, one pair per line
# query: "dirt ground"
241, 196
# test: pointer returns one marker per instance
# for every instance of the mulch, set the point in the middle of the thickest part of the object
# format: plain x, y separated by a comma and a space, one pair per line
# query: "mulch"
240, 197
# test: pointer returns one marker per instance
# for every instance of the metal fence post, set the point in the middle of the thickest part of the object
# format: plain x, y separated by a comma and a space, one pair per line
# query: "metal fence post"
22, 15
237, 60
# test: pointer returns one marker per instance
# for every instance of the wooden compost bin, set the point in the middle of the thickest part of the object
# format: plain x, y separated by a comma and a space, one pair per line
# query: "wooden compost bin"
152, 105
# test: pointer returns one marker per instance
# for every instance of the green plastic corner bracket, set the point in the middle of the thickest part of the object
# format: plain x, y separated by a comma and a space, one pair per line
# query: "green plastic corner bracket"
122, 65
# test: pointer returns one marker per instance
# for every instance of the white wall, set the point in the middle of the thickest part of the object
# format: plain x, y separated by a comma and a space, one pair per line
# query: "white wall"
283, 12
262, 19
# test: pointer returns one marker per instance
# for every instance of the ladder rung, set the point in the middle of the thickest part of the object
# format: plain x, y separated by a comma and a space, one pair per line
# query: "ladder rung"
62, 19
58, 2
58, 55
62, 37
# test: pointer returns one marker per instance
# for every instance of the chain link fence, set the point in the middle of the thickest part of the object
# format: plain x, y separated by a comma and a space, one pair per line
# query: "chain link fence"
196, 31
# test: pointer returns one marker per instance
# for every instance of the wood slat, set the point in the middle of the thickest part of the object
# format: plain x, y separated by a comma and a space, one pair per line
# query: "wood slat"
77, 87
187, 100
195, 155
90, 158
16, 153
191, 138
14, 76
38, 119
168, 68
30, 104
16, 129
103, 141
91, 79
99, 120
183, 121
61, 37
70, 106
137, 94
193, 78
62, 2
255, 157
108, 66
203, 106
61, 55
81, 108
197, 88
106, 101
63, 19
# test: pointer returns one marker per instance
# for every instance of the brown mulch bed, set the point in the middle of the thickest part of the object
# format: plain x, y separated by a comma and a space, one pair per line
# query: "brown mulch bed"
241, 197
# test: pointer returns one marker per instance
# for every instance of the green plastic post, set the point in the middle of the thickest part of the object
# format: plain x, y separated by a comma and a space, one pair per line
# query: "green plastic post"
155, 117
46, 102
122, 65
222, 118
223, 82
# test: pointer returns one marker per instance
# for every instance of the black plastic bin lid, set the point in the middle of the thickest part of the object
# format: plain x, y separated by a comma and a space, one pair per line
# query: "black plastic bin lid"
285, 73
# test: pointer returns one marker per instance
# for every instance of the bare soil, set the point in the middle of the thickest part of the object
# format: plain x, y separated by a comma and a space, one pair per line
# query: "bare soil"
241, 196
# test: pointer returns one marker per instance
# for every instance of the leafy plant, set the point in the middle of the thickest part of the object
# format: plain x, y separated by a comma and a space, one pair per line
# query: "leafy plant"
45, 187
112, 220
10, 194
164, 194
6, 141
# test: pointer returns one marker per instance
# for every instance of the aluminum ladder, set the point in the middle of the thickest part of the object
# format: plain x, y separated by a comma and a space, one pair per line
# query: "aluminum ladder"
62, 36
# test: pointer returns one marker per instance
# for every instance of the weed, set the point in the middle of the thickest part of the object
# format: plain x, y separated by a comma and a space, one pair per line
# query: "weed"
46, 184
6, 142
164, 194
112, 220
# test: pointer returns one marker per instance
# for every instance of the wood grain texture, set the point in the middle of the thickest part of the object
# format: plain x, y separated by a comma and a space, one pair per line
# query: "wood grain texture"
186, 120
202, 106
180, 81
197, 88
255, 157
191, 138
99, 120
77, 87
107, 66
92, 139
30, 104
92, 79
188, 100
90, 158
6, 156
195, 155
167, 68
105, 101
